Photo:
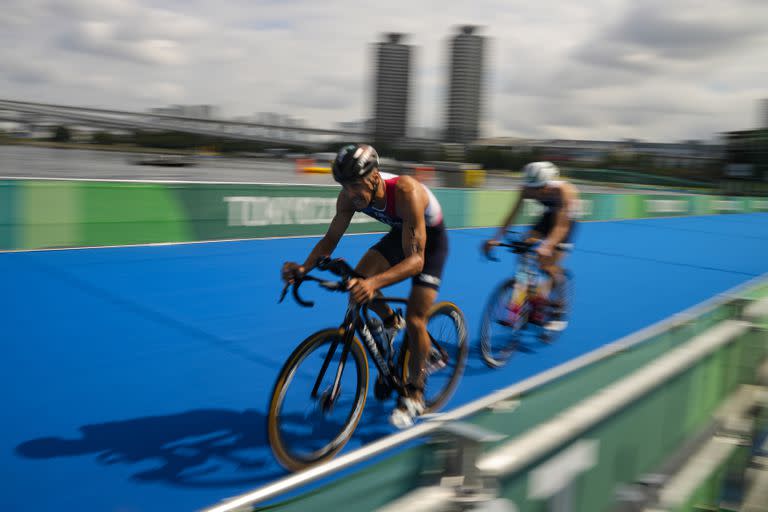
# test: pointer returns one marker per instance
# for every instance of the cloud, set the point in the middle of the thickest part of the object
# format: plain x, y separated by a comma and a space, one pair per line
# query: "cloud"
322, 93
101, 38
651, 36
594, 69
150, 51
693, 33
18, 16
169, 92
122, 29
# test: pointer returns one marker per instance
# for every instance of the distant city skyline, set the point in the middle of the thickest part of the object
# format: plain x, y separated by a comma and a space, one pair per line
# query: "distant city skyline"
391, 89
764, 113
466, 86
599, 69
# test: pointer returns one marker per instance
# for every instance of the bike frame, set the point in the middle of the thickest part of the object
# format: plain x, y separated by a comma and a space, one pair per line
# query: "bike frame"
526, 278
527, 274
356, 320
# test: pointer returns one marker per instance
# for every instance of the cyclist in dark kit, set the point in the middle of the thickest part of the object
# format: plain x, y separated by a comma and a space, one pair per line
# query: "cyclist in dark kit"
416, 246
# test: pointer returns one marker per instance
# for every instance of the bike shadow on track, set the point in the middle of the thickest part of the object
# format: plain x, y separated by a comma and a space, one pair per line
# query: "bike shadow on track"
201, 448
197, 448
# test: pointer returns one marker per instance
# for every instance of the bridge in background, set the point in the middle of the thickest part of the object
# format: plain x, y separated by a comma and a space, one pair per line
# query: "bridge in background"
37, 114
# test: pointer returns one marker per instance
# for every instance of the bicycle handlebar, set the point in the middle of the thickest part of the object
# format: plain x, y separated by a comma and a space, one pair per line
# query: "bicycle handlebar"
519, 246
524, 246
336, 266
339, 267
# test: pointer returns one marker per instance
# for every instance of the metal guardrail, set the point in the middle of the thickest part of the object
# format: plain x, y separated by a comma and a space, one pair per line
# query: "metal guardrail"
559, 485
437, 422
525, 448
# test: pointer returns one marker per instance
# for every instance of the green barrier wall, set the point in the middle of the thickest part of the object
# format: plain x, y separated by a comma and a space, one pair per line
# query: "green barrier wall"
9, 221
256, 211
637, 439
131, 213
52, 213
640, 438
49, 213
456, 211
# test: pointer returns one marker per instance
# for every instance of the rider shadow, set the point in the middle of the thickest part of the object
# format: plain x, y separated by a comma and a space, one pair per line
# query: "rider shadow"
204, 448
305, 436
527, 344
475, 365
527, 347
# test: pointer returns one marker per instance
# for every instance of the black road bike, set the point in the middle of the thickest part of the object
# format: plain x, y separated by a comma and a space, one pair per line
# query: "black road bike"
320, 393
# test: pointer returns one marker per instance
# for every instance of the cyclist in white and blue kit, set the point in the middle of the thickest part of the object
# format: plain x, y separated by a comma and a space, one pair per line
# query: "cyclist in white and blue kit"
556, 226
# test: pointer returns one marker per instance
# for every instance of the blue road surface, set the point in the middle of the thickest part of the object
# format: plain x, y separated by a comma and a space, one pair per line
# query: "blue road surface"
137, 378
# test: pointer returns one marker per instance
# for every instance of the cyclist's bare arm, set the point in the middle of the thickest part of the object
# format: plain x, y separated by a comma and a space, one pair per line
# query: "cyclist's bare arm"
488, 244
570, 196
337, 228
511, 215
327, 244
412, 202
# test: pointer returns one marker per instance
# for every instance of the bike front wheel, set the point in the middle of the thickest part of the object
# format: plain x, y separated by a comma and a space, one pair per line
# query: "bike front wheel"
447, 357
502, 325
306, 428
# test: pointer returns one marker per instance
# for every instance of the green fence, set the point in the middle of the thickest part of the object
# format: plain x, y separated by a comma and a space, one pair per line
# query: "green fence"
58, 213
642, 435
636, 438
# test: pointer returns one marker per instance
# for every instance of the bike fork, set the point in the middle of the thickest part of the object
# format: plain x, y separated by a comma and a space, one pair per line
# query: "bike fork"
339, 371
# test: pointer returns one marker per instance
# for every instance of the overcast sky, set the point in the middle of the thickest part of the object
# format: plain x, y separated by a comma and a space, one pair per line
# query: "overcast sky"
594, 69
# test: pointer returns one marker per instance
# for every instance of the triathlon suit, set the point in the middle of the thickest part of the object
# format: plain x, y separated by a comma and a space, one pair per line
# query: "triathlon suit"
391, 245
548, 219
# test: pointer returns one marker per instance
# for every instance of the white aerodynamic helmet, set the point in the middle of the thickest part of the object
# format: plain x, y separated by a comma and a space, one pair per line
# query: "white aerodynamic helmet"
538, 174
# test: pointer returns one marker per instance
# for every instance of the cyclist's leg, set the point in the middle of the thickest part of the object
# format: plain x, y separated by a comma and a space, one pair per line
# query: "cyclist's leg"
533, 235
419, 302
373, 262
542, 229
537, 233
411, 405
552, 265
553, 270
557, 268
423, 293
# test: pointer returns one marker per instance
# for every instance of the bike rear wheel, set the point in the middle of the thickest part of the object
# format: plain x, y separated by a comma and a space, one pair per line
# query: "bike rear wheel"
448, 356
502, 325
305, 430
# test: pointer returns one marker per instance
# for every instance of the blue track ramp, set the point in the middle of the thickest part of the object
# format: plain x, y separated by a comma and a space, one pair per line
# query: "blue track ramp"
137, 379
